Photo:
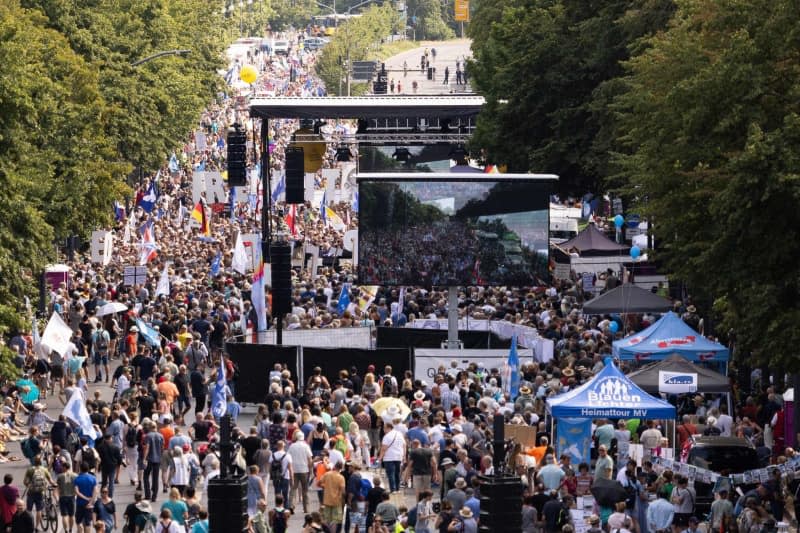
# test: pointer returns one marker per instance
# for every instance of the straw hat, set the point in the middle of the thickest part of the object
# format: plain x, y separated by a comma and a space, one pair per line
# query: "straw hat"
465, 512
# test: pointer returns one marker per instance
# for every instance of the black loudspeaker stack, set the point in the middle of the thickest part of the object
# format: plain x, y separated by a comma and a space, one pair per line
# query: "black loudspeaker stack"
227, 505
295, 176
500, 495
280, 254
237, 157
501, 503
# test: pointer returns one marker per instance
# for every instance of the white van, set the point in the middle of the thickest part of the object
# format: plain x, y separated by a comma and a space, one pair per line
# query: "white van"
562, 229
280, 47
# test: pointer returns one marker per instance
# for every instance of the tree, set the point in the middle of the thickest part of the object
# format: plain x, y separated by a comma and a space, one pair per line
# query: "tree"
709, 126
431, 21
543, 69
358, 39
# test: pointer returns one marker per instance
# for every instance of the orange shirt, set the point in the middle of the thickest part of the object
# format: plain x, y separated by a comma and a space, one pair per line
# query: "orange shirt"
169, 389
332, 485
537, 452
167, 432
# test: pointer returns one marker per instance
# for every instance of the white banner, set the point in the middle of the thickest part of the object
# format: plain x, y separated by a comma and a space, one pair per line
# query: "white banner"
102, 246
526, 336
308, 188
56, 336
331, 176
676, 382
210, 184
427, 360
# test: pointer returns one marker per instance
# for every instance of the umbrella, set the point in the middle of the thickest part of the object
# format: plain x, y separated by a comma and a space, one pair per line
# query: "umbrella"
608, 492
392, 407
110, 308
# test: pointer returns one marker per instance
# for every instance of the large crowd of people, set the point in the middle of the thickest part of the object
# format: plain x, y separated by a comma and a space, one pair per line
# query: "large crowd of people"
382, 452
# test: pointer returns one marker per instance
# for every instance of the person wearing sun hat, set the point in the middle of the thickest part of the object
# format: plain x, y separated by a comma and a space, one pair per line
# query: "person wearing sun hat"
525, 397
464, 522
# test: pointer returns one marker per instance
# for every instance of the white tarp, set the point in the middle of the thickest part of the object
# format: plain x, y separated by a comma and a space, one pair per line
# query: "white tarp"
526, 336
428, 360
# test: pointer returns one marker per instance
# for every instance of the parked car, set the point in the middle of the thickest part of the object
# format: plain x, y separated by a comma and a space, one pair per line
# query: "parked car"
723, 455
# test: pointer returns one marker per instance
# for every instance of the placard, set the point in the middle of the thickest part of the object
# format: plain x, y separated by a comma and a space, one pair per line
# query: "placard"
676, 382
524, 434
134, 275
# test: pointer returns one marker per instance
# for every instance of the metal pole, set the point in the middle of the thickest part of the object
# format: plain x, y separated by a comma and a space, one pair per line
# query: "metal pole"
452, 318
266, 192
225, 446
347, 72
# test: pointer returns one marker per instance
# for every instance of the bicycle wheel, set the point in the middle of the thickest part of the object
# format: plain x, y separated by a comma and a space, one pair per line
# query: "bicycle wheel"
46, 514
50, 516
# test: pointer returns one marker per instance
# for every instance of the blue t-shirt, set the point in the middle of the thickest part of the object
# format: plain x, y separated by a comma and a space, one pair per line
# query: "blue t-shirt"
85, 483
419, 434
177, 508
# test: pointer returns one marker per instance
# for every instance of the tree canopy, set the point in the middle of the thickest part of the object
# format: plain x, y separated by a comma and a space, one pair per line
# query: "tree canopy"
709, 129
76, 117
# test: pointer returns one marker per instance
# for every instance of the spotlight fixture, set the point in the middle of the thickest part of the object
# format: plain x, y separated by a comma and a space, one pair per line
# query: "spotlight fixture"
401, 154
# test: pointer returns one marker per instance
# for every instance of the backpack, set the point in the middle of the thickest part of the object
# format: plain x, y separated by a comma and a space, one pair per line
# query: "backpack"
366, 486
27, 448
73, 443
279, 520
101, 342
130, 437
58, 465
630, 495
88, 458
276, 469
386, 386
38, 480
563, 518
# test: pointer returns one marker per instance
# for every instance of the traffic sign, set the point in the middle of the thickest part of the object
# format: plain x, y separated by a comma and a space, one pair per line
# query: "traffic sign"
461, 11
364, 70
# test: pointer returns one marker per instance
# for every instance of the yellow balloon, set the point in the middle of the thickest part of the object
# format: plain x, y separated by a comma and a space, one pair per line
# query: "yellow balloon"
248, 74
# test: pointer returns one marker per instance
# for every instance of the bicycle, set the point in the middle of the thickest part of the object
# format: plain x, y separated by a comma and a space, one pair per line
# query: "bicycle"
50, 516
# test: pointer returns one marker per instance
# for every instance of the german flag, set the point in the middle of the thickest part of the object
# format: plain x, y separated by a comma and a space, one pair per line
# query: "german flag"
199, 214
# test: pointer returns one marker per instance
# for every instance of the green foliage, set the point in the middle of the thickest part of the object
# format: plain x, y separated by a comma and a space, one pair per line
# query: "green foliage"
432, 16
545, 67
710, 125
75, 117
359, 39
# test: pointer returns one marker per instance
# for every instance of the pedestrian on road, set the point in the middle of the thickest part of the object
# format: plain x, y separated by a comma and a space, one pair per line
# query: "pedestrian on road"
405, 68
433, 54
152, 450
446, 75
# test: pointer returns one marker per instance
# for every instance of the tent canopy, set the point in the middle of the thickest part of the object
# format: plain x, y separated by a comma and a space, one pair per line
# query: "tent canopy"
627, 298
610, 394
670, 335
707, 380
591, 242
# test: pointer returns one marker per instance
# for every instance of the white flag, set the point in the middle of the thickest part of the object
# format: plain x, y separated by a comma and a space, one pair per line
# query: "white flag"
239, 261
56, 336
75, 410
163, 283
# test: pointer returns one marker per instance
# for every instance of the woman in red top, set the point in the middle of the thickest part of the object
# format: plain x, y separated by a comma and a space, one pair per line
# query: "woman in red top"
132, 342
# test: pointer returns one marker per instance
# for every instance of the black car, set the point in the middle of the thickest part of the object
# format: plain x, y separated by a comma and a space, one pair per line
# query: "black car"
723, 455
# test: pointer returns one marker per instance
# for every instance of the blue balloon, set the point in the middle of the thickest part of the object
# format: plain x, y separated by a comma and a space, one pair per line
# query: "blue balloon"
619, 221
613, 326
636, 252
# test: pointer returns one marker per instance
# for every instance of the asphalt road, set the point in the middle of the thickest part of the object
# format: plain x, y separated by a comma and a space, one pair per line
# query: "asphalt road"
123, 492
447, 53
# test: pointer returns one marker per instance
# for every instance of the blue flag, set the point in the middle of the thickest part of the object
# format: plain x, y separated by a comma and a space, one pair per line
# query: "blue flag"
149, 334
511, 373
173, 163
279, 188
148, 201
119, 211
355, 201
219, 402
322, 214
344, 300
215, 264
573, 438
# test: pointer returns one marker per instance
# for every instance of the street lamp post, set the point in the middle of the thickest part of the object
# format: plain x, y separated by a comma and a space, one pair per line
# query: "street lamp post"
160, 54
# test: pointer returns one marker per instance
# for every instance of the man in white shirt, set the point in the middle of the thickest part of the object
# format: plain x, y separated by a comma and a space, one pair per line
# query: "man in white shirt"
724, 421
300, 453
393, 451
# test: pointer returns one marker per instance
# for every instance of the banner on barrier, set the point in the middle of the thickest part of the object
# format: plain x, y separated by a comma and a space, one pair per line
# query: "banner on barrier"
427, 361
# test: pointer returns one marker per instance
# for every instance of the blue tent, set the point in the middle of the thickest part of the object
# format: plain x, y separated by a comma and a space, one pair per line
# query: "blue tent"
670, 335
610, 394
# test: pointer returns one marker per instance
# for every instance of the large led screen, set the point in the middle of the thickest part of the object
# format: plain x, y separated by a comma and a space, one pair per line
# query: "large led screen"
452, 232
